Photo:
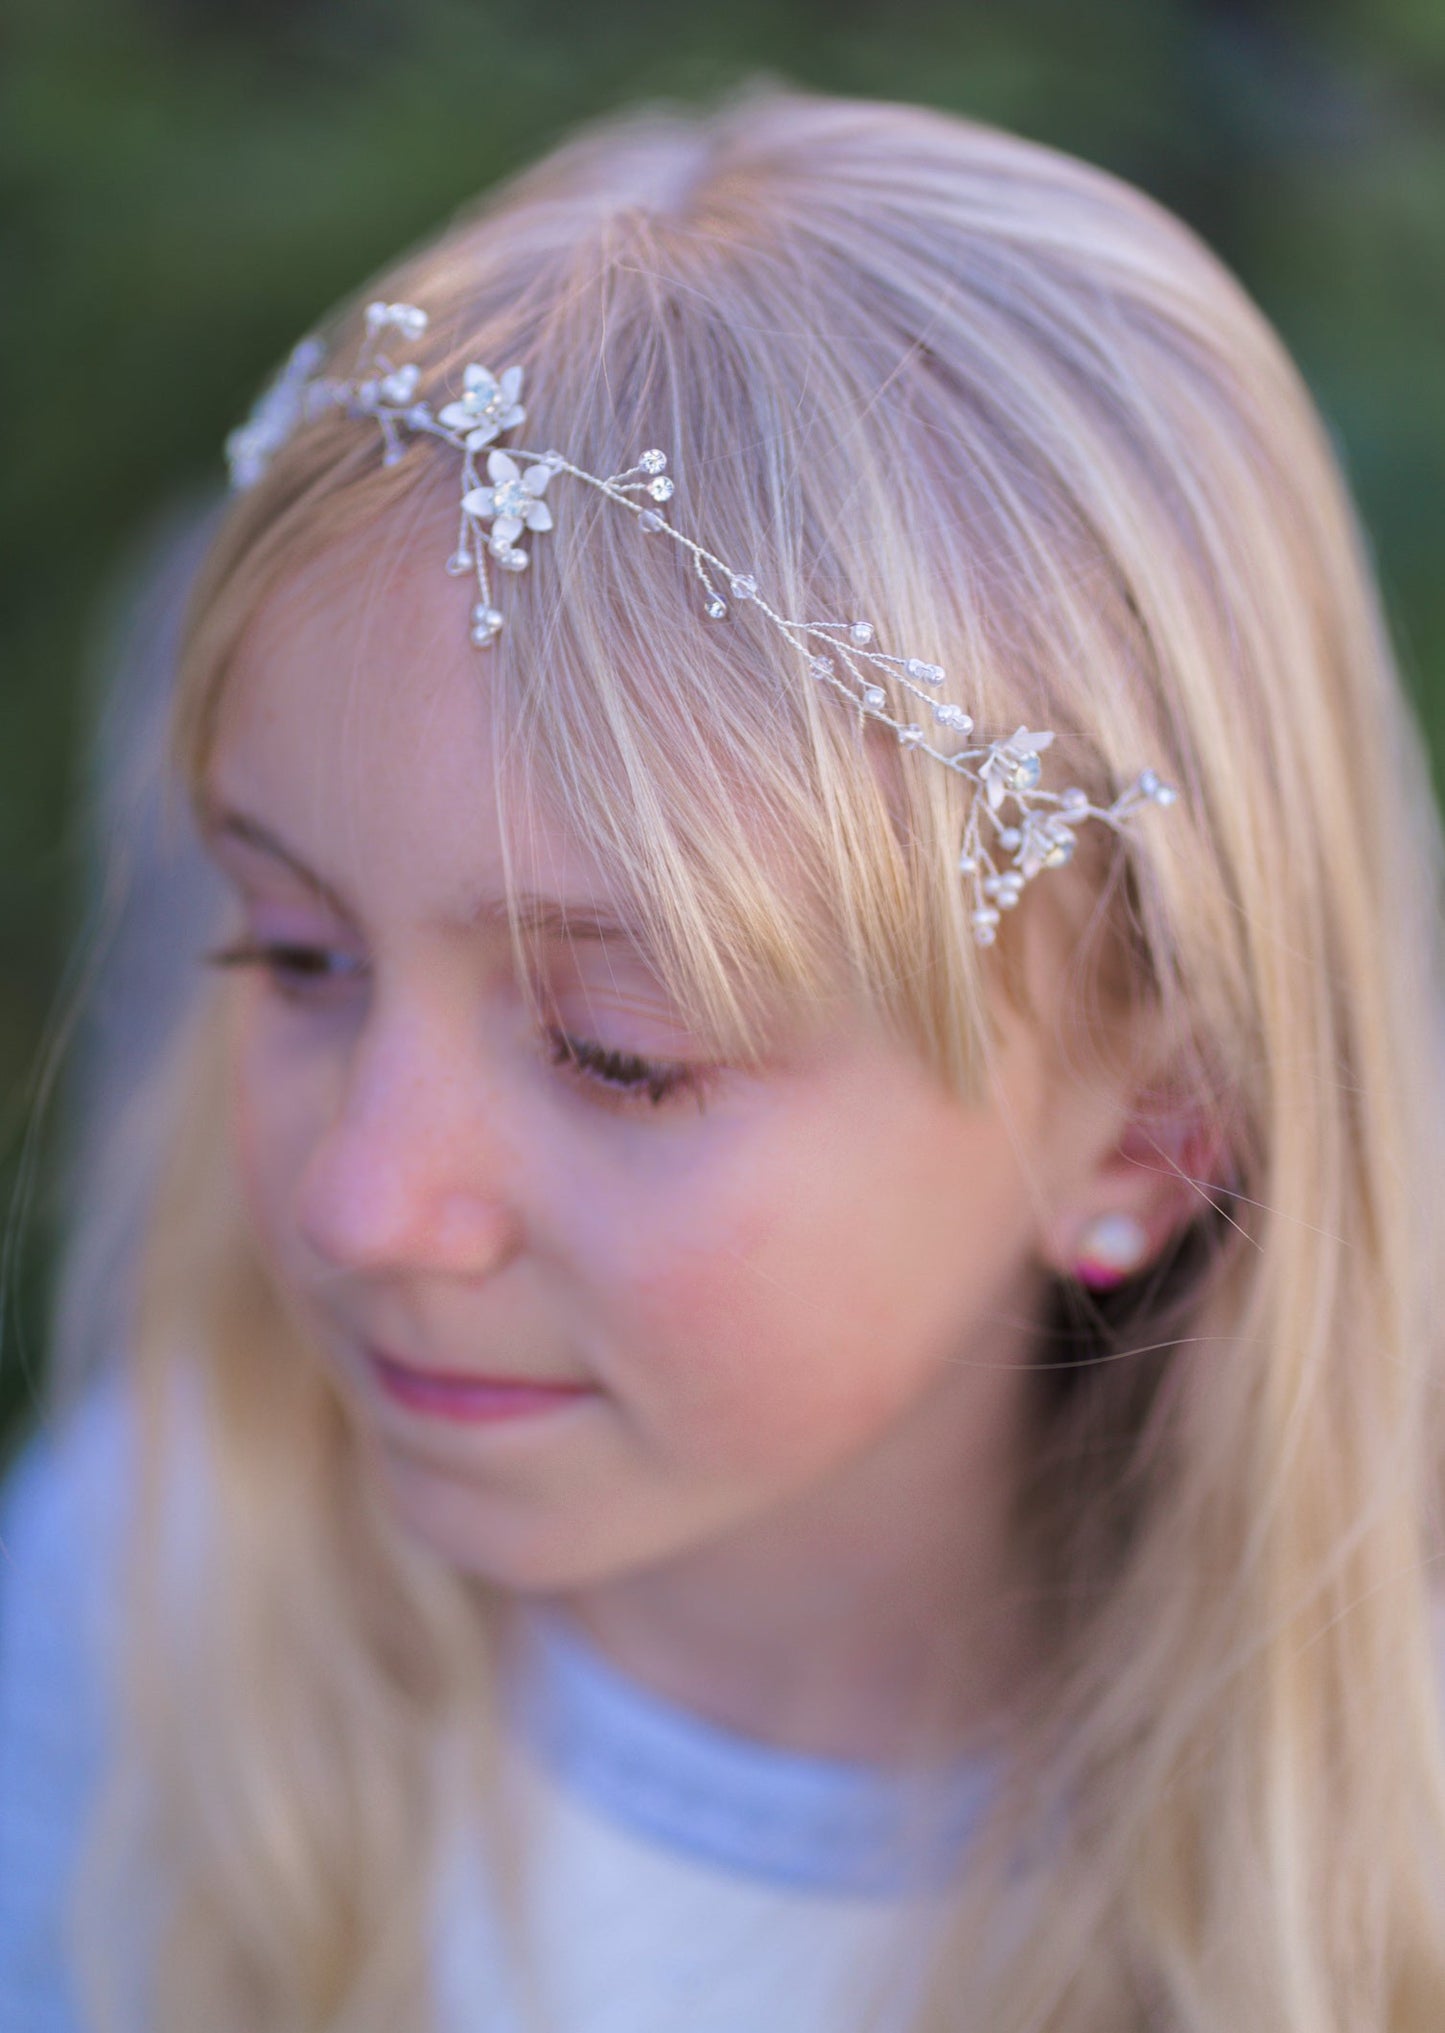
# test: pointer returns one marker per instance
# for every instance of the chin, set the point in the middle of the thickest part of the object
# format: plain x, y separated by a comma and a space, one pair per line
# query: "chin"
526, 1548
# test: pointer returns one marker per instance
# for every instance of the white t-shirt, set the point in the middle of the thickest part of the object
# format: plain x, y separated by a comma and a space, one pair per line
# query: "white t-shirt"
683, 1875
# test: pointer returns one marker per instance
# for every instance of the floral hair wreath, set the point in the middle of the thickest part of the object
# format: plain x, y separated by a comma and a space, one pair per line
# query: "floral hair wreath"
1014, 823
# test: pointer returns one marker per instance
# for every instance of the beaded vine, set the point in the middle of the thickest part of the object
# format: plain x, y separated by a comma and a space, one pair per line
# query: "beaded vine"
1014, 830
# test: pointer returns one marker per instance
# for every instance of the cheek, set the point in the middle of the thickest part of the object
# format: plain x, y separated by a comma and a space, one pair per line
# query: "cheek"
278, 1100
776, 1330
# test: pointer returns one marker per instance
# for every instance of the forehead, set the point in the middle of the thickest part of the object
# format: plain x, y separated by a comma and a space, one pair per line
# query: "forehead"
359, 722
359, 718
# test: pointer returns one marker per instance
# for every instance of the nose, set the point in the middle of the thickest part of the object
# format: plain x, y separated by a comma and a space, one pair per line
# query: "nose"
412, 1172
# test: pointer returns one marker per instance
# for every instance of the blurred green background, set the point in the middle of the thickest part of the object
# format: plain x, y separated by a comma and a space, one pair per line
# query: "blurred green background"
184, 184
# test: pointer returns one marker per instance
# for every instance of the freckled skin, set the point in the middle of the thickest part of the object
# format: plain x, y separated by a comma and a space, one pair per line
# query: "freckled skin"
804, 1309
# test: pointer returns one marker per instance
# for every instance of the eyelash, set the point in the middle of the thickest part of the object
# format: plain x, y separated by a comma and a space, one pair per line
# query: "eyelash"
626, 1074
298, 971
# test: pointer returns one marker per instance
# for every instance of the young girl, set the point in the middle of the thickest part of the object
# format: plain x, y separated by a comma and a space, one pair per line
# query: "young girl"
786, 1372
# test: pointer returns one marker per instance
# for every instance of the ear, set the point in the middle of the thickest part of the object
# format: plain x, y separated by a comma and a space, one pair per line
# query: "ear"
1165, 1167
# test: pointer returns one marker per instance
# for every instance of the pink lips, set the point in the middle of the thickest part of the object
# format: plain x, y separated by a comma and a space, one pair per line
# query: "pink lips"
470, 1400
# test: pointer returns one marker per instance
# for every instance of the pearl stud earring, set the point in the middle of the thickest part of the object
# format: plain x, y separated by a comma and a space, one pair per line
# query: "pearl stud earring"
1111, 1248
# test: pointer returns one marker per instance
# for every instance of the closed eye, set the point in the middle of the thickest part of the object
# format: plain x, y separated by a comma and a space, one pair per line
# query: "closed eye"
296, 970
627, 1075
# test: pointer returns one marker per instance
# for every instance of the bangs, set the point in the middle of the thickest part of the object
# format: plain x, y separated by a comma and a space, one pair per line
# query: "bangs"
774, 844
743, 813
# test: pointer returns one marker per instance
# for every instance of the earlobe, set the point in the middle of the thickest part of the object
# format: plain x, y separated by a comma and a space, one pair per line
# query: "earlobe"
1109, 1250
1144, 1192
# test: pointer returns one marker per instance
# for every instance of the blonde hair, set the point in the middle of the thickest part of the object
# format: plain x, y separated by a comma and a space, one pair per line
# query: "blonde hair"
1010, 411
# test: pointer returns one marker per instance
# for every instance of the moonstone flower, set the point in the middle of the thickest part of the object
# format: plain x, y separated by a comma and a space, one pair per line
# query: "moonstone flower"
513, 501
1046, 841
488, 406
1012, 766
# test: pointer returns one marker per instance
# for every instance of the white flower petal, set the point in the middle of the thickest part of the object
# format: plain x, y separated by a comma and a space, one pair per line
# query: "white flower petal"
539, 516
478, 377
456, 417
535, 479
995, 791
506, 529
511, 384
478, 502
482, 435
502, 467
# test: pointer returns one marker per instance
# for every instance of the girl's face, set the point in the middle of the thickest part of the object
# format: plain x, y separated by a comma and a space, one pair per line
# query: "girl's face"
597, 1301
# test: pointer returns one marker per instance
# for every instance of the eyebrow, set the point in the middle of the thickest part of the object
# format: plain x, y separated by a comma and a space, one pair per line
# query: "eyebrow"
541, 915
222, 822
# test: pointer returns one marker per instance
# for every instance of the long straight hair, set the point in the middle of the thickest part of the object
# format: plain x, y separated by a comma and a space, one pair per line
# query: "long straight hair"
1000, 403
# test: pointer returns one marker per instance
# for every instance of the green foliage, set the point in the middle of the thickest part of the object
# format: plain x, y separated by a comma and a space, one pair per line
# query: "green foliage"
184, 184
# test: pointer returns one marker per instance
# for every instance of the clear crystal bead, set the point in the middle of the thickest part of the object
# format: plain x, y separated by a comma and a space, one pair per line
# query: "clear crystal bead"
660, 490
949, 715
459, 562
1059, 850
875, 698
653, 462
650, 520
745, 588
821, 667
911, 735
922, 673
1075, 800
715, 607
401, 384
1165, 794
552, 461
1148, 783
861, 634
1024, 772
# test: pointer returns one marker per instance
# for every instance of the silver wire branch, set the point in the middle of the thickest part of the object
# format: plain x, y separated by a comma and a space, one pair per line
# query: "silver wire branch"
1014, 828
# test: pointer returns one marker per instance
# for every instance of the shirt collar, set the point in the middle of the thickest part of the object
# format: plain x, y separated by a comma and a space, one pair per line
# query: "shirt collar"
721, 1798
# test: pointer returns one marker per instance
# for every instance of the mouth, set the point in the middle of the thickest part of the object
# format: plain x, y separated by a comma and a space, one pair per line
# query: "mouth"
471, 1399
